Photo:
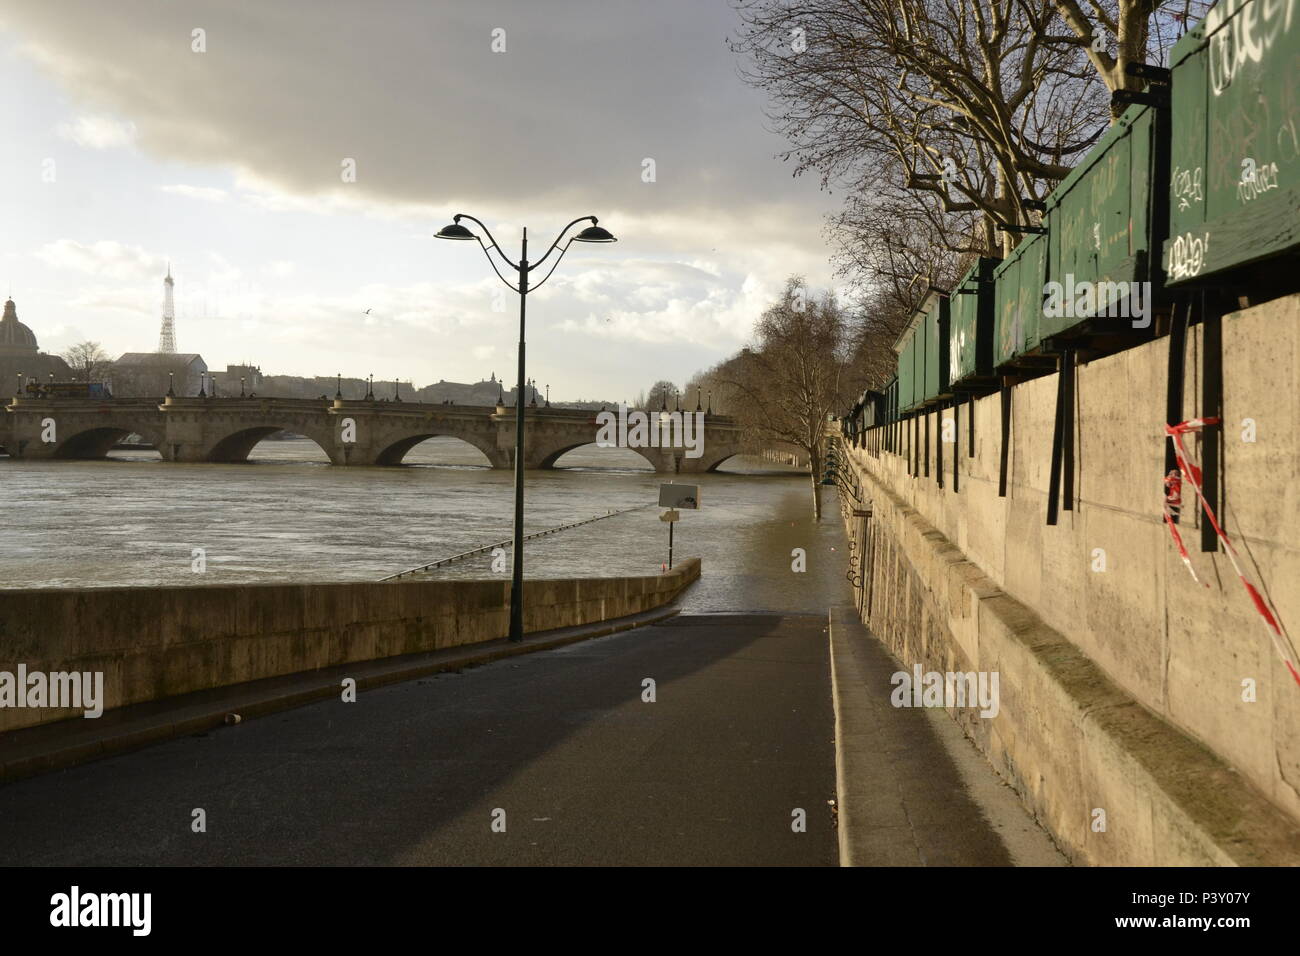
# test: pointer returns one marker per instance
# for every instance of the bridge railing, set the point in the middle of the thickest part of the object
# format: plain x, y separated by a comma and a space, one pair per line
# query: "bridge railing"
256, 401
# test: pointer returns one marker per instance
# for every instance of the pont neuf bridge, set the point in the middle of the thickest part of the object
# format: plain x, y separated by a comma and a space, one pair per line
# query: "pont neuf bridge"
350, 432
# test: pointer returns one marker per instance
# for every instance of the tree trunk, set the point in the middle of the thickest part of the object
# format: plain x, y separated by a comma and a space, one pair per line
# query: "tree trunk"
814, 474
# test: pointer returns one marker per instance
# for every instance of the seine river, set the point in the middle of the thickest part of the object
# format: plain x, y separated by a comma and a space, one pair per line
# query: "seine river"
288, 515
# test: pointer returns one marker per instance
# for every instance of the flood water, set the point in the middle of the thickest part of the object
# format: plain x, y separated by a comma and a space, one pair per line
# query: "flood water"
288, 515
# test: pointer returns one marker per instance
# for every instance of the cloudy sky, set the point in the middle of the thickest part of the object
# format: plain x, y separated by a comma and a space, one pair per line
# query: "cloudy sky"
126, 149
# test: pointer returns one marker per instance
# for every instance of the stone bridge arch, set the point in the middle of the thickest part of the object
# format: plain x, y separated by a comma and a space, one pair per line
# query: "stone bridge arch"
713, 458
393, 450
93, 439
233, 442
548, 455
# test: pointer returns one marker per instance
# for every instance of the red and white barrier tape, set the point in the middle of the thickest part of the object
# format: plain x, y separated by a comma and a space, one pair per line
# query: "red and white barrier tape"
1173, 508
1189, 473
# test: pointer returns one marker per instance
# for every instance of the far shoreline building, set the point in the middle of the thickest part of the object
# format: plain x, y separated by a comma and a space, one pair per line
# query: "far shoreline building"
152, 374
20, 354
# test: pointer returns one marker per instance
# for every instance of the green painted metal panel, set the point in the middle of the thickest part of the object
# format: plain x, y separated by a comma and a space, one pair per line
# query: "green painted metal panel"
936, 325
916, 385
929, 329
906, 375
943, 357
1235, 150
918, 366
1018, 298
970, 325
1099, 217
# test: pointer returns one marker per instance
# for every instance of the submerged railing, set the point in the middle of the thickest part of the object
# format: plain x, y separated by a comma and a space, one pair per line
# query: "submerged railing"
508, 541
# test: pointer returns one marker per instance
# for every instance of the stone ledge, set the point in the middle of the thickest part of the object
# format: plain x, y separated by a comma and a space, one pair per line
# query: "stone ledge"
1069, 739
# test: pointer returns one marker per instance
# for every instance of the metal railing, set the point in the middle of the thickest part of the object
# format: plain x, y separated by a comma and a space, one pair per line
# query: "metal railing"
499, 544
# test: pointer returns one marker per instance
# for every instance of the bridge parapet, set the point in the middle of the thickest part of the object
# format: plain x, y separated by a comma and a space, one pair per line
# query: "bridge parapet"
350, 432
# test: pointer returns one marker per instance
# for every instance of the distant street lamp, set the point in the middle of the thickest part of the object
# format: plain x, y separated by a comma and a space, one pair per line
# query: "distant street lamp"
522, 268
338, 386
548, 396
171, 384
241, 386
19, 393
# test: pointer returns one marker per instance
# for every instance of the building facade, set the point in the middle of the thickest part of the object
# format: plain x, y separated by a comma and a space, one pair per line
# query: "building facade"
153, 374
20, 355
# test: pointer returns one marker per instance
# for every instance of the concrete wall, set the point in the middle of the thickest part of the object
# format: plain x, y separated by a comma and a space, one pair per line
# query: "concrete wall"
152, 643
1122, 688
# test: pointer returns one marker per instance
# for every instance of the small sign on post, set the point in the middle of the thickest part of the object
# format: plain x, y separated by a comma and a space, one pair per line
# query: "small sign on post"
672, 497
679, 496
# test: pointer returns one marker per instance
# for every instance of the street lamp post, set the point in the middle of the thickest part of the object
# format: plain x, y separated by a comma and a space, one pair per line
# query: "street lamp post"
522, 268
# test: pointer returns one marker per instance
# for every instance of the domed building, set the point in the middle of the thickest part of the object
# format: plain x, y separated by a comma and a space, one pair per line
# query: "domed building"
20, 354
15, 338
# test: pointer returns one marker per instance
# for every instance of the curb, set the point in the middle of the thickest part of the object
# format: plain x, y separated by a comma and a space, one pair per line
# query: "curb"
844, 672
146, 724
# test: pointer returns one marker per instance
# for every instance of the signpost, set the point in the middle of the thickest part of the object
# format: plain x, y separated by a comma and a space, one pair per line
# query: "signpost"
672, 497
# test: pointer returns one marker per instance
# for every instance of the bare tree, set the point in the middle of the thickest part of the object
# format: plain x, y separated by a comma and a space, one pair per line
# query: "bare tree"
1116, 33
88, 360
965, 102
792, 380
947, 122
711, 386
890, 255
661, 394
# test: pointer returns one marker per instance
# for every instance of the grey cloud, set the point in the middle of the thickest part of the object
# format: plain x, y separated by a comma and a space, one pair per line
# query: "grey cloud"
412, 91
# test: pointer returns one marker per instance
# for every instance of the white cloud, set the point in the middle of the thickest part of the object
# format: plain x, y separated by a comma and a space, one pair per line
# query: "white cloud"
129, 301
205, 193
98, 132
352, 199
225, 273
104, 258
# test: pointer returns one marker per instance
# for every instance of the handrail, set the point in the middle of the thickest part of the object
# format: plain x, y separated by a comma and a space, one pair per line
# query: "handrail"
488, 547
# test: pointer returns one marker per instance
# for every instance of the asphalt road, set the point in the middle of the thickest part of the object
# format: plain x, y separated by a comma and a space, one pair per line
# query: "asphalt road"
739, 738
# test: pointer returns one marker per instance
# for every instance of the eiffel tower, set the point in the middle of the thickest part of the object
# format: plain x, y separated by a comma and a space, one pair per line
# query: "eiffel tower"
167, 337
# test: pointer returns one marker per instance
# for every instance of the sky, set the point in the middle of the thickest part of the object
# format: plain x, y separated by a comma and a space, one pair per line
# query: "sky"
127, 148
